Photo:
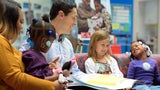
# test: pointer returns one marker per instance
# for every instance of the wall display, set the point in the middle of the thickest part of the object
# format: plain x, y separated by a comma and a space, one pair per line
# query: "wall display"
26, 5
122, 22
122, 25
94, 21
37, 6
121, 18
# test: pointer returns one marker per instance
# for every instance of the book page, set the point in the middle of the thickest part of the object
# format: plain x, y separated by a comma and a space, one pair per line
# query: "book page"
107, 81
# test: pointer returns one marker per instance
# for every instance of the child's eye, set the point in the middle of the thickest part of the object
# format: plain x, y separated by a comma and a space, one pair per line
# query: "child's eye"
107, 45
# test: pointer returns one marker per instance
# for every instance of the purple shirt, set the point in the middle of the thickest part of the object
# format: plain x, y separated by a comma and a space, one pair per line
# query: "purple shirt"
36, 64
144, 70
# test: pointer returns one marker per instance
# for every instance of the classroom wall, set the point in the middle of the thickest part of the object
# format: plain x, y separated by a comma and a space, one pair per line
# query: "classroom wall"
32, 9
146, 23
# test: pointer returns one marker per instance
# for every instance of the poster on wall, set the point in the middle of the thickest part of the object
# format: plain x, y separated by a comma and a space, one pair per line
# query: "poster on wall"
121, 18
88, 23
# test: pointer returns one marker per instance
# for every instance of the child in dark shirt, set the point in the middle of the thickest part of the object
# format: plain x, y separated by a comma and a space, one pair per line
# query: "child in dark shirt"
40, 34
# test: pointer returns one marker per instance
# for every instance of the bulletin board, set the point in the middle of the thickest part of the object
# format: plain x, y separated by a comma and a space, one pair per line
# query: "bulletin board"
122, 22
121, 19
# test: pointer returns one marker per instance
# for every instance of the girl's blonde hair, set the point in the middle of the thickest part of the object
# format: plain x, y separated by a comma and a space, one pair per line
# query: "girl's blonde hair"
97, 36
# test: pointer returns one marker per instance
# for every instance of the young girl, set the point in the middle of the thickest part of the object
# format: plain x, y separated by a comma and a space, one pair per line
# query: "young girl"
142, 67
40, 37
100, 60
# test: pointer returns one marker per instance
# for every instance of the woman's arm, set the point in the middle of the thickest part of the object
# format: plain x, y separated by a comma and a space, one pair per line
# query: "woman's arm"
12, 71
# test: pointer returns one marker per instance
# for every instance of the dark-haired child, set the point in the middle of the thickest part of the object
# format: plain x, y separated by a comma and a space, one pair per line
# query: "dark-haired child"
40, 34
142, 67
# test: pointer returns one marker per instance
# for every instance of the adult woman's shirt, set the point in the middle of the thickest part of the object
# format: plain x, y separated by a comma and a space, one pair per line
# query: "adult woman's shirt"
12, 76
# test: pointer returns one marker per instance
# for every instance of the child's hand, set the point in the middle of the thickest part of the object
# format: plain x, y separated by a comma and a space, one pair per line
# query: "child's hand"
53, 64
55, 76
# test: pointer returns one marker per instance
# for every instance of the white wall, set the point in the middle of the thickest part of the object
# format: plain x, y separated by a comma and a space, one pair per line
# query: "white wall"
158, 41
145, 22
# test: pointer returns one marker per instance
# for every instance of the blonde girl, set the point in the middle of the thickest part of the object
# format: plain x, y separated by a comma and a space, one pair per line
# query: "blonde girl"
100, 60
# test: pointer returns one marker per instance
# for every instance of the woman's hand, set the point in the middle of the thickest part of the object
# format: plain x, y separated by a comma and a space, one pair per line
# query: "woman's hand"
60, 86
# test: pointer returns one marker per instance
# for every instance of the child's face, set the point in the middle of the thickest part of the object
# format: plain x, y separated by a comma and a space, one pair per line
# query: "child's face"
102, 47
137, 49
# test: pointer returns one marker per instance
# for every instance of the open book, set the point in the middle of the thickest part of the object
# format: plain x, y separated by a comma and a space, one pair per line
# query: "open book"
102, 82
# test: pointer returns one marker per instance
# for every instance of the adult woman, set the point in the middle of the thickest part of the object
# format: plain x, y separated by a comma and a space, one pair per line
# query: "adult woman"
12, 75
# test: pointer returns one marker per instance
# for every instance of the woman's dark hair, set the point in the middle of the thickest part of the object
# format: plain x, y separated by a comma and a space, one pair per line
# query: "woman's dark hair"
11, 6
2, 8
99, 1
63, 5
9, 20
